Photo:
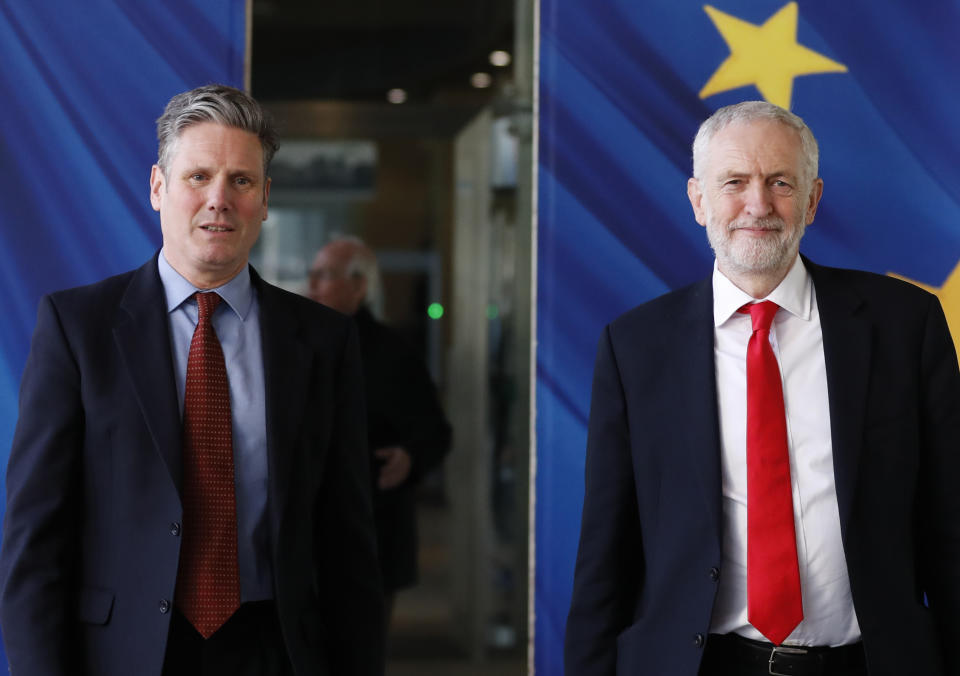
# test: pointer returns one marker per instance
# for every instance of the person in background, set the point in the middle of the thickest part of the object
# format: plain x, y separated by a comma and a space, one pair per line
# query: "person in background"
188, 488
408, 432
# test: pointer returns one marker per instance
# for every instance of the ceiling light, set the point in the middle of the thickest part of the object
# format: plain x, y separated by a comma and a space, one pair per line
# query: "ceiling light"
481, 80
500, 58
397, 95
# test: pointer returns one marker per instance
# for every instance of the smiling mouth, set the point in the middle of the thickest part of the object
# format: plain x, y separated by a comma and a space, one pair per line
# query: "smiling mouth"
216, 228
762, 225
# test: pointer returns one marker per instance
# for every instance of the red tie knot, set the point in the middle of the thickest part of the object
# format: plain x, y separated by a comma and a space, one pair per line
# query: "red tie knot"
761, 313
207, 303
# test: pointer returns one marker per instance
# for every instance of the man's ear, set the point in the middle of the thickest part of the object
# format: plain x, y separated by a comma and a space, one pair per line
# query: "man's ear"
360, 289
266, 196
695, 195
156, 186
816, 192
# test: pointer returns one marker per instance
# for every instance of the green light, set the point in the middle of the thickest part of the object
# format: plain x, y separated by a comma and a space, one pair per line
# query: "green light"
435, 311
493, 311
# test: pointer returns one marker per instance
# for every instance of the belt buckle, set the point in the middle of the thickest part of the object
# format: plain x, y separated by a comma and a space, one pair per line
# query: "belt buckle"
785, 650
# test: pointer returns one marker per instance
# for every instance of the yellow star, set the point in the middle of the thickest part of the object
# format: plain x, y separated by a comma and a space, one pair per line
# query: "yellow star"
767, 56
949, 295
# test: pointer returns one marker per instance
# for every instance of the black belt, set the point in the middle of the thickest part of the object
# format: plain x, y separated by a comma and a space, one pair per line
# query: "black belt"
765, 658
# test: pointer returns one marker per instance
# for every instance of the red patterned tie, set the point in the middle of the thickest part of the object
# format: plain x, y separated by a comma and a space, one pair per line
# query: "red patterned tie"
774, 604
208, 583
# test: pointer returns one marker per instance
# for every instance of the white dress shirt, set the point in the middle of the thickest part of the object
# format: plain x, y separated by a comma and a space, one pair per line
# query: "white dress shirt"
829, 617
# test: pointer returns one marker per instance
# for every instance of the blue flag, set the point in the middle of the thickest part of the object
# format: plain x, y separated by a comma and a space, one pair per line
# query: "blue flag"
623, 89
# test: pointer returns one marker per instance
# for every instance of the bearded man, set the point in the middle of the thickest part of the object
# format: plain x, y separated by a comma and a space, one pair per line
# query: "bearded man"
773, 452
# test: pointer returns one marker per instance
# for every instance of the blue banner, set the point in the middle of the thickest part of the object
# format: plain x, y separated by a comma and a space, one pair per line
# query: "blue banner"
623, 87
82, 84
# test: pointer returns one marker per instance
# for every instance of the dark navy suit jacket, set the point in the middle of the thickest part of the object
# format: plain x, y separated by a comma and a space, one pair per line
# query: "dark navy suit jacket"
650, 543
403, 409
90, 548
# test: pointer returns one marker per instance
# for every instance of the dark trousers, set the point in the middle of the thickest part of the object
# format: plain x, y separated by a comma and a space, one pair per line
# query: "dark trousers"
248, 644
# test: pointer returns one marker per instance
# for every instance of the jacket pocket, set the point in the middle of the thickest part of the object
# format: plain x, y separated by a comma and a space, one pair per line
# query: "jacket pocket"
95, 605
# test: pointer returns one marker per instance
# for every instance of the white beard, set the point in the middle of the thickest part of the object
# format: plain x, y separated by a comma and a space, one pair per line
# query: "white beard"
754, 254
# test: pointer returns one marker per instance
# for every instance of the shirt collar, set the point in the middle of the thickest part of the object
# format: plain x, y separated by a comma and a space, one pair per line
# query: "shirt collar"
794, 294
238, 292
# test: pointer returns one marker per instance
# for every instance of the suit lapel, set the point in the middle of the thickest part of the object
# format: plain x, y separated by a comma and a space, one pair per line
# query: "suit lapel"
697, 379
142, 336
287, 369
847, 348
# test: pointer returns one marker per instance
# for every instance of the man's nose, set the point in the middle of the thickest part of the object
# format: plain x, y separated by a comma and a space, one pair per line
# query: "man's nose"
218, 196
758, 201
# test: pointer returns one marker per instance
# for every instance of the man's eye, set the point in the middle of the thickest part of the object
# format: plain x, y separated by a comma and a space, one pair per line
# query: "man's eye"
197, 177
242, 180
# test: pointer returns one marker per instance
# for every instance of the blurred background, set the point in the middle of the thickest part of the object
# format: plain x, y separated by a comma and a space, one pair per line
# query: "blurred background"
409, 124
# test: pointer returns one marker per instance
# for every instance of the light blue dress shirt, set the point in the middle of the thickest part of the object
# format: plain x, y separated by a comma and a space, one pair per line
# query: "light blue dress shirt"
237, 324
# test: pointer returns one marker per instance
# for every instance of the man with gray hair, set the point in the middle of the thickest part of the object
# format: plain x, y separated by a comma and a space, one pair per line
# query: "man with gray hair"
407, 431
188, 491
772, 454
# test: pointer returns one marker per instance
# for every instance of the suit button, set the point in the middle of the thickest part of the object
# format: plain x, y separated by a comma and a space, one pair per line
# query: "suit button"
698, 640
164, 606
714, 574
174, 528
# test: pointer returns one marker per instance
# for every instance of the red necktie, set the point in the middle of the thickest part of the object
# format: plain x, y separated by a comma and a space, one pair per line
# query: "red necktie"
774, 604
208, 582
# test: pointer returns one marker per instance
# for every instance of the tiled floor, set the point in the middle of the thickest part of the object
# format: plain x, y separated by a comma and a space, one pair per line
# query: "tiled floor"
455, 668
422, 636
428, 652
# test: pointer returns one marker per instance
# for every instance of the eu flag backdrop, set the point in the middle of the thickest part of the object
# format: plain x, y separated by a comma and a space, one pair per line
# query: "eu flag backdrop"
81, 84
623, 87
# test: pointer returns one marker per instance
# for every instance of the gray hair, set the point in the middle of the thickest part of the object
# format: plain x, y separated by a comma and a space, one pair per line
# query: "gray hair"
363, 263
751, 111
213, 103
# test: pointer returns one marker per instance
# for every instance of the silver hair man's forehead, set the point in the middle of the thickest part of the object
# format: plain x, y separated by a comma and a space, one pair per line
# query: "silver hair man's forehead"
362, 263
752, 111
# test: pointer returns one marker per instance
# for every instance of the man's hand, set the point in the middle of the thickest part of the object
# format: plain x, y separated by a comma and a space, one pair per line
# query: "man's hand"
395, 468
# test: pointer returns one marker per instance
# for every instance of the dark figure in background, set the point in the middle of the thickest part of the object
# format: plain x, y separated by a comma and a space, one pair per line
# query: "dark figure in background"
188, 488
408, 432
827, 398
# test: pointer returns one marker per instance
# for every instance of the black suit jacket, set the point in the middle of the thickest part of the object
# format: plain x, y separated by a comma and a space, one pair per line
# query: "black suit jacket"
650, 542
89, 559
403, 409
